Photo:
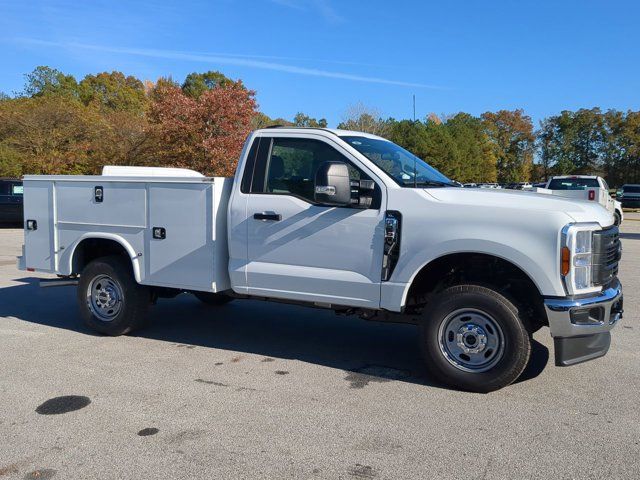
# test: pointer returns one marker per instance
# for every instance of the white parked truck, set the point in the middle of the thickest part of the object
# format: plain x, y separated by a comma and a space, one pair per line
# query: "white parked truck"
346, 221
587, 187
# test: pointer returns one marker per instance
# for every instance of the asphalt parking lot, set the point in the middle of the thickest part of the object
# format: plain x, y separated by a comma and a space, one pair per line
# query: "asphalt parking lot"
260, 390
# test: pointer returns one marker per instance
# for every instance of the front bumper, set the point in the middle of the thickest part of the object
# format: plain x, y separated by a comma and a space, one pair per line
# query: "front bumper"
580, 326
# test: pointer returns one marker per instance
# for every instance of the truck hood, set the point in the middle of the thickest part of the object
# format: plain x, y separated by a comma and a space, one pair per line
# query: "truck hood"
579, 211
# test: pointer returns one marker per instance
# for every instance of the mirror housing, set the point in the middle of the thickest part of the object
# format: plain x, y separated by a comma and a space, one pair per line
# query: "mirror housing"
332, 185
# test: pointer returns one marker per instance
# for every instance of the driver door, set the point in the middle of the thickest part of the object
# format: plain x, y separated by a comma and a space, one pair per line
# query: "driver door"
300, 250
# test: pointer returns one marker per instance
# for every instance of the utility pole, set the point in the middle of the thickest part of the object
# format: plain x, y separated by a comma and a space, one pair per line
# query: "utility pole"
414, 107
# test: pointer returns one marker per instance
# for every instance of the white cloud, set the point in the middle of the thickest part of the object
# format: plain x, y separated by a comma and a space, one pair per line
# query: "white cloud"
323, 7
226, 59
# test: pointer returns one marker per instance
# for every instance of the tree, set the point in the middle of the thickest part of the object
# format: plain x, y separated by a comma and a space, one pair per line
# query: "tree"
50, 134
207, 133
44, 80
362, 118
574, 142
302, 120
261, 120
113, 92
475, 156
622, 147
10, 162
511, 133
197, 83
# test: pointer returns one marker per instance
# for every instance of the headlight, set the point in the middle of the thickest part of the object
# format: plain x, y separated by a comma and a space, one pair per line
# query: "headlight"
576, 258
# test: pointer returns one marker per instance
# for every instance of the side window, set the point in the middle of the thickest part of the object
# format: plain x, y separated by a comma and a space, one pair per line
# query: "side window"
287, 166
292, 164
249, 166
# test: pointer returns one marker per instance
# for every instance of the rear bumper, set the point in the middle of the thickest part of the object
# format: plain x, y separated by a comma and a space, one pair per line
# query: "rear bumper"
581, 326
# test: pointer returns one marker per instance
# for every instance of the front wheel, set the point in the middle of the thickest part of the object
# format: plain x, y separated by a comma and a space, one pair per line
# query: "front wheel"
473, 339
617, 219
110, 299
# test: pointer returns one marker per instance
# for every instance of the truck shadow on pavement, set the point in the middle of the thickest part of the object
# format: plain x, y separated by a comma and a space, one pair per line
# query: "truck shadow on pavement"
630, 236
367, 351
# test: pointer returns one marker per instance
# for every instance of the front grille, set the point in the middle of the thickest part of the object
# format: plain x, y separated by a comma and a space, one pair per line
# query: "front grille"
606, 256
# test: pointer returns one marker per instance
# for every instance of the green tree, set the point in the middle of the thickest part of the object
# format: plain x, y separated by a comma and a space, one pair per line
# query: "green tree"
113, 92
45, 80
302, 120
622, 147
512, 135
475, 157
10, 162
574, 142
262, 120
197, 83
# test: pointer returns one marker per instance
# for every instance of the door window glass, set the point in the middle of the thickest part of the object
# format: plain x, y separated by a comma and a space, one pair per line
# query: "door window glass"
292, 166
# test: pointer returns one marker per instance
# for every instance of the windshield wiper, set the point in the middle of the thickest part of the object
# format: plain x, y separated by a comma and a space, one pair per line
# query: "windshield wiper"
434, 183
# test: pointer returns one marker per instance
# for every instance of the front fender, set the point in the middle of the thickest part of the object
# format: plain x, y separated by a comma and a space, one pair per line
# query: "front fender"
546, 284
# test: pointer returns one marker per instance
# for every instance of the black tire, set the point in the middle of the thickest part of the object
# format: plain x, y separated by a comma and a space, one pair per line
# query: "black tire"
110, 278
481, 304
617, 220
213, 299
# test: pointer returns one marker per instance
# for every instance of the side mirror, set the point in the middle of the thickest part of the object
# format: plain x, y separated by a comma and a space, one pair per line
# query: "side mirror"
332, 184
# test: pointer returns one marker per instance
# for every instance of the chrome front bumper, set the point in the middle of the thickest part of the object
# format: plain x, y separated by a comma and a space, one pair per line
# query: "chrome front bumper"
580, 327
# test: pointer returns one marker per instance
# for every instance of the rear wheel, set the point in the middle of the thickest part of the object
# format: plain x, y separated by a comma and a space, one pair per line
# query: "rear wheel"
110, 299
214, 299
473, 339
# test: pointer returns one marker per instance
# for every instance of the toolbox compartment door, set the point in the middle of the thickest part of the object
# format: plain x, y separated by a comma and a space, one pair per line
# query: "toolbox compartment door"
184, 257
39, 244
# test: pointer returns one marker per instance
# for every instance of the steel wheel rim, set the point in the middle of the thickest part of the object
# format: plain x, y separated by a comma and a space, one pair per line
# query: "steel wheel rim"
471, 340
105, 298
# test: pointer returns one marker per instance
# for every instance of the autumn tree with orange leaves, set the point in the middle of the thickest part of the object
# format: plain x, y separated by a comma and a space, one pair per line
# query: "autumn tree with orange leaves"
205, 133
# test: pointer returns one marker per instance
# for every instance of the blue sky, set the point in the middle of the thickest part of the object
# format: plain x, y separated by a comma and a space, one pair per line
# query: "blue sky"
320, 56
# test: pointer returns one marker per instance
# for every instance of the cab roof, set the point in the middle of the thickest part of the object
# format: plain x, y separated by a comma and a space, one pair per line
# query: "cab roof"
336, 131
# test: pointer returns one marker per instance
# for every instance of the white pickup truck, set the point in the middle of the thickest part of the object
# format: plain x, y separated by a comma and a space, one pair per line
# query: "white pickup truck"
345, 221
587, 187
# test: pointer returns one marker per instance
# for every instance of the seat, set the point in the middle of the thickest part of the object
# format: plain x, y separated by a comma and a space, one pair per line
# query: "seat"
276, 182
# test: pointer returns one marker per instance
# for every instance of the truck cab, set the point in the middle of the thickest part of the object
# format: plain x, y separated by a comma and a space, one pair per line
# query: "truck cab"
346, 221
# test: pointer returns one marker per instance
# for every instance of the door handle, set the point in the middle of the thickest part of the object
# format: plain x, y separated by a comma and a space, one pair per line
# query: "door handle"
267, 216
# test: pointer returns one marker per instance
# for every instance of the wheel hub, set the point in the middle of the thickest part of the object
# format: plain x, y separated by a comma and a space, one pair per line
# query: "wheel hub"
104, 298
471, 338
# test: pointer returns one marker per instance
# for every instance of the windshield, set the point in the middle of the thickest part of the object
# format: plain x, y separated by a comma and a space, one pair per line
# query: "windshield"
403, 166
631, 188
573, 183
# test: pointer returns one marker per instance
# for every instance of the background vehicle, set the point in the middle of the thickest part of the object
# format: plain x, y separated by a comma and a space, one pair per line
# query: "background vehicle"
629, 196
346, 221
518, 186
10, 200
587, 187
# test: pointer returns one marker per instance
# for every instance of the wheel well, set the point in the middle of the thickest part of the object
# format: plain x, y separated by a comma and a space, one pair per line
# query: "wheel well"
483, 269
91, 248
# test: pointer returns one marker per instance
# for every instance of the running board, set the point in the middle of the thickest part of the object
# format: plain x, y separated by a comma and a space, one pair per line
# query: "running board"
58, 282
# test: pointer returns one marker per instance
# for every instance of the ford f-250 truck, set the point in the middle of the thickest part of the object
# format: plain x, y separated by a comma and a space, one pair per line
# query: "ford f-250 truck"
590, 188
345, 221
